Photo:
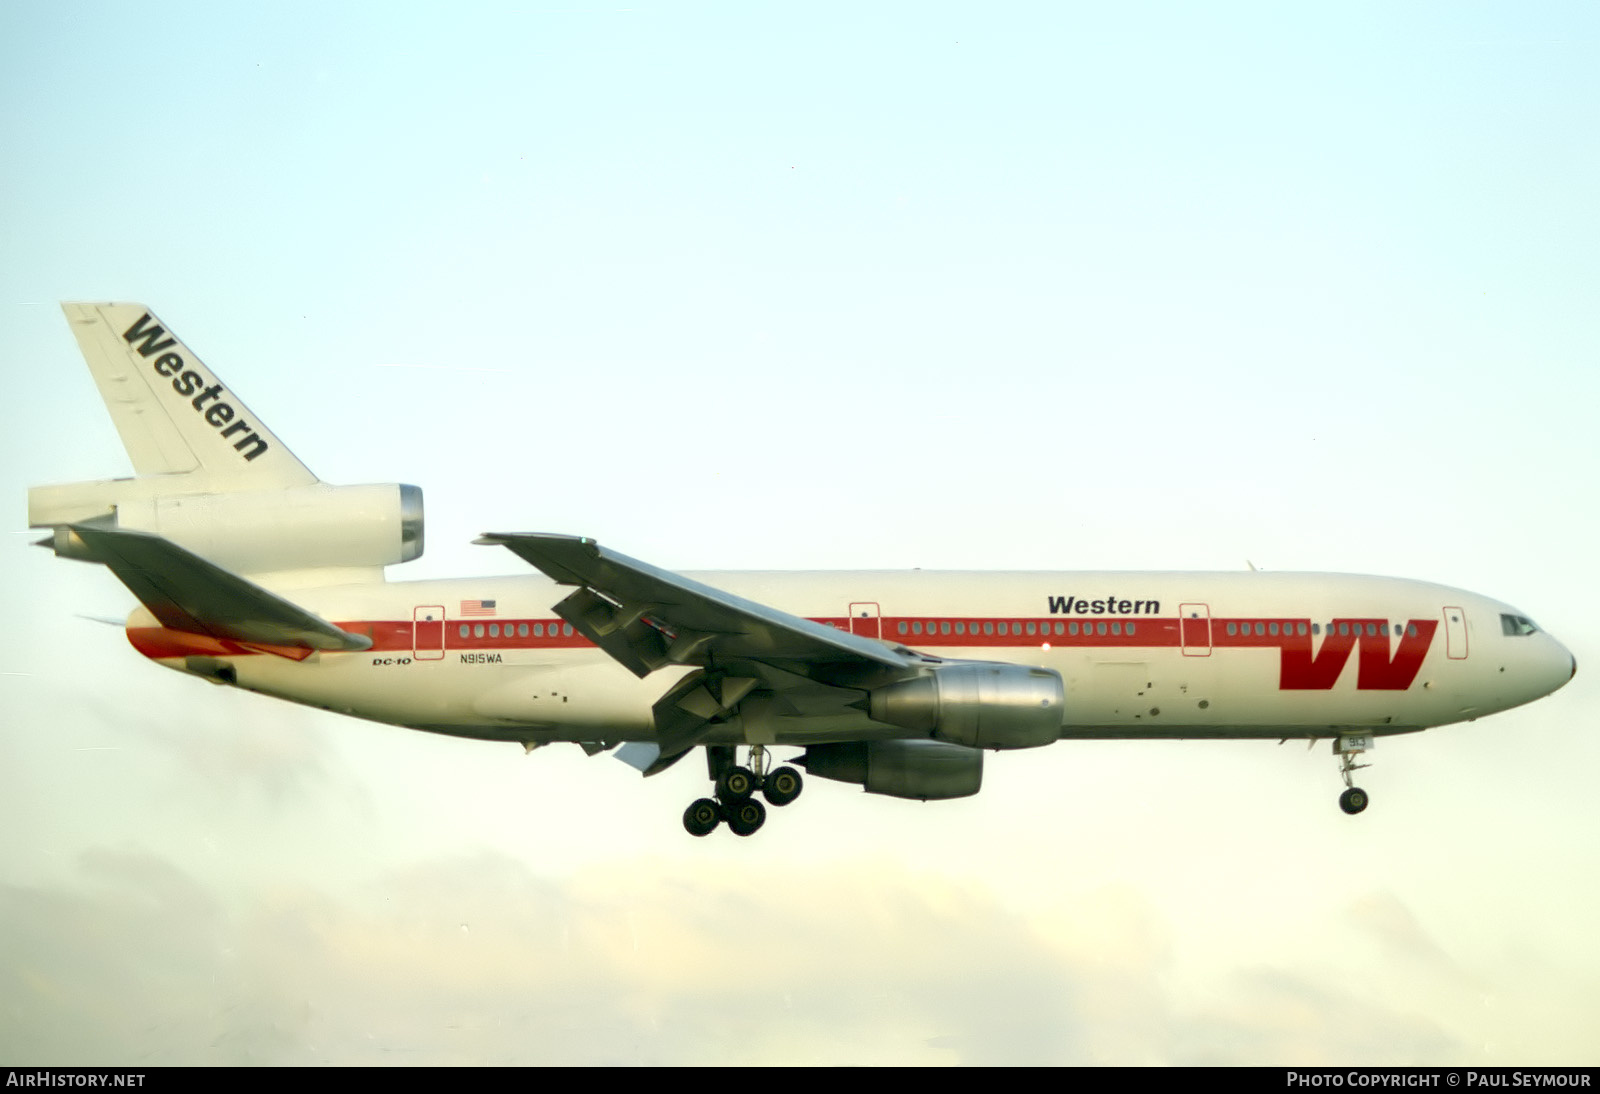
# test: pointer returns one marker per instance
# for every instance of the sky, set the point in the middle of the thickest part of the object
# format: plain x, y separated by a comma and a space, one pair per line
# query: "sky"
815, 286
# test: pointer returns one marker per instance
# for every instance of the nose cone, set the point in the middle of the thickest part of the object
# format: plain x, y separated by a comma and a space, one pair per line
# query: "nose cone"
1540, 667
1560, 666
1526, 661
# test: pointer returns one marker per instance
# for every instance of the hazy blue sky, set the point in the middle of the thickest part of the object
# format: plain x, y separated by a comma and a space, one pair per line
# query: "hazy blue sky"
1044, 286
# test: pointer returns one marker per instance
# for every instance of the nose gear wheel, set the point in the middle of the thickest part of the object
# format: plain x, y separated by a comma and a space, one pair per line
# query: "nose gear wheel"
1347, 748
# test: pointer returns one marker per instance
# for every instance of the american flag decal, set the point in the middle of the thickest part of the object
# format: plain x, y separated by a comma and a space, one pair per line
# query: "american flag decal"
477, 607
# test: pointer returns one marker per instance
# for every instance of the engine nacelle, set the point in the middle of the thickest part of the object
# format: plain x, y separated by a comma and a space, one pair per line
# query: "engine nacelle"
923, 770
978, 704
249, 532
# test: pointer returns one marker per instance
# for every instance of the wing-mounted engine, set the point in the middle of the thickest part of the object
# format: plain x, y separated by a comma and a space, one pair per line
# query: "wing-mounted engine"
767, 676
315, 526
978, 704
921, 770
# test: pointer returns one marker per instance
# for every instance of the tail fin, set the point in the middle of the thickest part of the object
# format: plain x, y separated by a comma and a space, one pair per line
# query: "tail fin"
175, 417
212, 480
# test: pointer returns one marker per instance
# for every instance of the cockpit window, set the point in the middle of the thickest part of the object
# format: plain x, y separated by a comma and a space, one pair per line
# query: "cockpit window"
1517, 625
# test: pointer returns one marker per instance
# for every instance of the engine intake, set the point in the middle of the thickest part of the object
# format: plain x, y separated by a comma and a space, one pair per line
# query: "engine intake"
978, 704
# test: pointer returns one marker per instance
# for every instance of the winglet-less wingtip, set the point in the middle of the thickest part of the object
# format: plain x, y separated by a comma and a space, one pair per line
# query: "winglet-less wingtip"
564, 559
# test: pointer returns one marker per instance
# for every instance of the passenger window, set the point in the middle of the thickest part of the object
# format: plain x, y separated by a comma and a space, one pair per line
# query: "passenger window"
988, 628
944, 628
1032, 629
1232, 629
1116, 628
464, 630
1130, 628
1072, 629
1060, 629
522, 630
566, 630
1411, 630
477, 631
1100, 628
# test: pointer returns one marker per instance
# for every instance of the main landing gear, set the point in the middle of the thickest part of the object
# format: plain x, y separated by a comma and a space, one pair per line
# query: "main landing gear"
1354, 799
736, 786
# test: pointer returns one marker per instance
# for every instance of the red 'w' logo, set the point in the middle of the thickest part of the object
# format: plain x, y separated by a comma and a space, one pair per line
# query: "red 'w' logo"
1376, 670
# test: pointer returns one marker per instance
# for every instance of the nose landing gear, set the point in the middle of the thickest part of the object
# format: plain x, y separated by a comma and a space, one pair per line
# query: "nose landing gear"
1354, 799
736, 786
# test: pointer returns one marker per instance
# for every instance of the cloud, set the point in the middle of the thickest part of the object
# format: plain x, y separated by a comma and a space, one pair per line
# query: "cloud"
1396, 928
478, 959
231, 743
1273, 1016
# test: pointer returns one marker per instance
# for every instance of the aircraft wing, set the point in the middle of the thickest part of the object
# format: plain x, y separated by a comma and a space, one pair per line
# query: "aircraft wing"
187, 593
752, 657
646, 617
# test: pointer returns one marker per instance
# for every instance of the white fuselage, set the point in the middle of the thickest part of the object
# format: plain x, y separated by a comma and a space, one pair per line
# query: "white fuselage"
253, 572
1141, 654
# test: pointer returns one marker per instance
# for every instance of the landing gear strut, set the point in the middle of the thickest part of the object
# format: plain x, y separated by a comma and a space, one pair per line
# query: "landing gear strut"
736, 786
1354, 799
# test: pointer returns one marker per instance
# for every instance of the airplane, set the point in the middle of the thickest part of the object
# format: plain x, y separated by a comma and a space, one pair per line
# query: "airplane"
253, 573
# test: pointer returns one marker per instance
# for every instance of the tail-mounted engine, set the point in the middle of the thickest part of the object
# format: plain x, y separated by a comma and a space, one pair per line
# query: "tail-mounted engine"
302, 527
977, 704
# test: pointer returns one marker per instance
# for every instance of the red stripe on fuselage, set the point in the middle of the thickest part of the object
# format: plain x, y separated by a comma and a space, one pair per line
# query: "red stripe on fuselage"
1307, 661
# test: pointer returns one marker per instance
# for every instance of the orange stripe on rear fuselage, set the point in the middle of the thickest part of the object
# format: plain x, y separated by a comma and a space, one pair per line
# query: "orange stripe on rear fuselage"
158, 643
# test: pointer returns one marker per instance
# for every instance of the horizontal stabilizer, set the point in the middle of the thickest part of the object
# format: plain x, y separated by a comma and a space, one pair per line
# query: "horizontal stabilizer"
187, 593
